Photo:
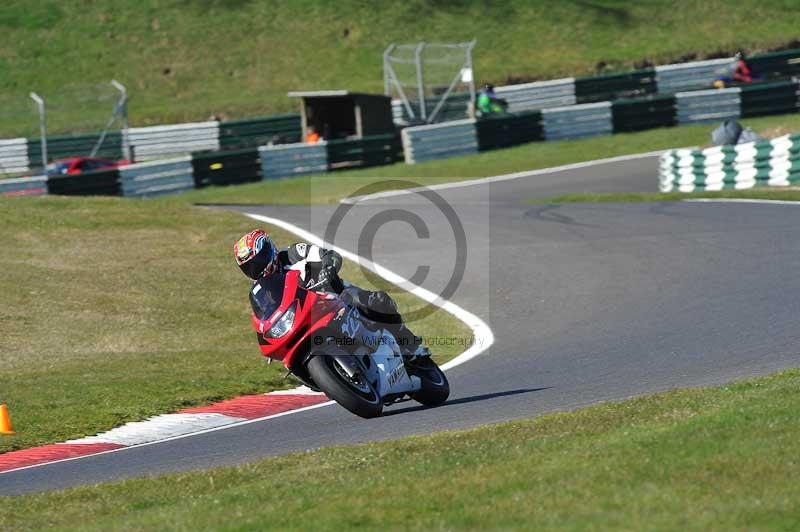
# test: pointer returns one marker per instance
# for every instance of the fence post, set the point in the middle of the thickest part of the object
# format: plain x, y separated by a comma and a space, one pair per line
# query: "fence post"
42, 126
123, 109
423, 112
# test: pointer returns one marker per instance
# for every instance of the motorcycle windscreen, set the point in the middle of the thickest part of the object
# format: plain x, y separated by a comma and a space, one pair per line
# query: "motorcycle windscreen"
266, 295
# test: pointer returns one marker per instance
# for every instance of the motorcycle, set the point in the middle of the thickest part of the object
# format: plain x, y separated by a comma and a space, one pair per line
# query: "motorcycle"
332, 347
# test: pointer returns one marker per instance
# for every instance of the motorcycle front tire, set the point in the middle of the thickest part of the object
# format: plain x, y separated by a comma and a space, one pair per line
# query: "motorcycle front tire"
335, 385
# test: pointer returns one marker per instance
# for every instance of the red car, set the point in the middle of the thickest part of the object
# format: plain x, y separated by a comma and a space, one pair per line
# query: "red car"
79, 165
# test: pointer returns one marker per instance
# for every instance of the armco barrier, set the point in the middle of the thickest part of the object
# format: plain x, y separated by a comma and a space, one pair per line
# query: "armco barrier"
769, 98
177, 139
697, 75
375, 150
14, 156
763, 163
102, 183
286, 160
425, 143
607, 87
538, 95
226, 168
24, 186
503, 131
643, 113
577, 121
157, 178
713, 105
61, 146
282, 129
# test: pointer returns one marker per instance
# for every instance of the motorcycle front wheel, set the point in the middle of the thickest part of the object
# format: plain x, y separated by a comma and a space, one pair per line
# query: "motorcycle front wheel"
435, 388
355, 394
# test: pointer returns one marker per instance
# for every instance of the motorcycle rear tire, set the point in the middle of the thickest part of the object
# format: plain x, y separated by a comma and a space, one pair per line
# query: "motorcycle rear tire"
435, 388
337, 388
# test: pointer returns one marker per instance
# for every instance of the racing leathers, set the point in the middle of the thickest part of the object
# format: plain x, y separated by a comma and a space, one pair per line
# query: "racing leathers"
319, 270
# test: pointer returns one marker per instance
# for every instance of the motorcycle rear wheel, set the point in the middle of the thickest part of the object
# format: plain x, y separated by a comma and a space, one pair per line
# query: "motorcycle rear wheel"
357, 397
435, 388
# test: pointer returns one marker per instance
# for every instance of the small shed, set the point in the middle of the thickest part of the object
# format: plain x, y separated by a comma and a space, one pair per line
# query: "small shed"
341, 114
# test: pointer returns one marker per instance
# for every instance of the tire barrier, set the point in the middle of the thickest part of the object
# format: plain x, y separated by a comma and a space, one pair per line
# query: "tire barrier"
769, 98
426, 143
577, 121
764, 163
157, 178
289, 160
713, 105
24, 186
503, 132
607, 87
101, 183
697, 75
644, 113
226, 168
375, 150
177, 139
776, 65
14, 156
252, 132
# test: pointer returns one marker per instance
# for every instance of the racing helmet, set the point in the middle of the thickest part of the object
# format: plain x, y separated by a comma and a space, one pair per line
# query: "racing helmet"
256, 254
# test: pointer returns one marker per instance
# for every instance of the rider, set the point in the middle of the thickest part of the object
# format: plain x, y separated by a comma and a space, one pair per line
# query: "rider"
488, 103
258, 257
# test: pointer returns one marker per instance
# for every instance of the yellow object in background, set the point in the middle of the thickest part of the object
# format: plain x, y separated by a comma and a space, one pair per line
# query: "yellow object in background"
216, 166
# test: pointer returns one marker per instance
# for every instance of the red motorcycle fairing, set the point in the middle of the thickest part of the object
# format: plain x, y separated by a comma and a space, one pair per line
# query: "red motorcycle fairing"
314, 311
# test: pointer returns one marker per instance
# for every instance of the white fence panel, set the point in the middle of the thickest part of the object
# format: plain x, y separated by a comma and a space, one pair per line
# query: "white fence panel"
14, 156
24, 186
577, 121
293, 159
425, 143
538, 95
712, 105
157, 178
177, 139
692, 76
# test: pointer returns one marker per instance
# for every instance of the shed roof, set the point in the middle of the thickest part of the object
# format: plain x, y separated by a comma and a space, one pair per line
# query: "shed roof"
329, 93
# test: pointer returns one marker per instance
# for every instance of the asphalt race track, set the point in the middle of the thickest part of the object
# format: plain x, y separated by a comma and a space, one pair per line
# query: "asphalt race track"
588, 302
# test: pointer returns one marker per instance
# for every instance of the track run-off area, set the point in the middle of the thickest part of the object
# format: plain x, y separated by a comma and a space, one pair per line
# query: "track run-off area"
584, 303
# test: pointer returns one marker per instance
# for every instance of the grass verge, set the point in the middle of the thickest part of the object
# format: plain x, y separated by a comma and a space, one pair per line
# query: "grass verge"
185, 60
115, 309
331, 187
716, 458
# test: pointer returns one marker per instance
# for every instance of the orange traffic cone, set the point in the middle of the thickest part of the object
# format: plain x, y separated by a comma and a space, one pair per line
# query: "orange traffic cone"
5, 421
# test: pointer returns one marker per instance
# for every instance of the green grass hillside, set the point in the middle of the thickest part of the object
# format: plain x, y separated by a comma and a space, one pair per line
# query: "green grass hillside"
184, 60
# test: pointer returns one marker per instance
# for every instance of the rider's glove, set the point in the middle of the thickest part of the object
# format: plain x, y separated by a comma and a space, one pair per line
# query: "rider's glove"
328, 277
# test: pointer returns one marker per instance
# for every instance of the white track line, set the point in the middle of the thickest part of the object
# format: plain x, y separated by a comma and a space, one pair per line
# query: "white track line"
505, 177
